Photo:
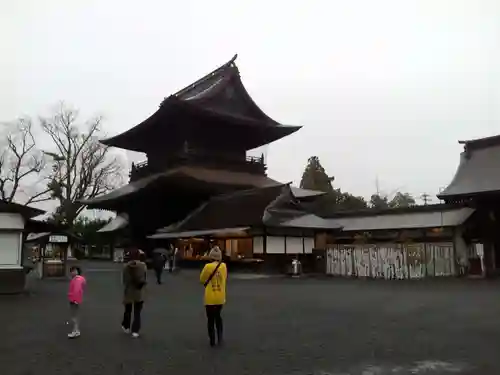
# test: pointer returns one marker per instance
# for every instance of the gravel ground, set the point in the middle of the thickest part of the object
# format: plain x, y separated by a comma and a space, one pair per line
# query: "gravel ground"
274, 326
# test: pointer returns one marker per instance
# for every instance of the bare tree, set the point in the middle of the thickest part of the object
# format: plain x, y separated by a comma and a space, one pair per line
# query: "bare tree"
82, 167
22, 165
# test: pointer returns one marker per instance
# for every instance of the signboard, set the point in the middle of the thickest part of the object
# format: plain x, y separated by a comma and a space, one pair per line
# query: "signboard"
58, 239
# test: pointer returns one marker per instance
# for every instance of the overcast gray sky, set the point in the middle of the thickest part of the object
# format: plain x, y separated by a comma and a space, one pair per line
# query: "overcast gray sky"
383, 88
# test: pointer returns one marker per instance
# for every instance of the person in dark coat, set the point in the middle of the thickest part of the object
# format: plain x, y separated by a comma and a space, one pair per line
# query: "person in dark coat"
170, 258
134, 278
159, 260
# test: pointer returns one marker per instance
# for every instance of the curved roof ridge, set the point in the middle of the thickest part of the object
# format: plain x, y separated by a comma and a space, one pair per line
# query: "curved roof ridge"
219, 97
207, 76
485, 142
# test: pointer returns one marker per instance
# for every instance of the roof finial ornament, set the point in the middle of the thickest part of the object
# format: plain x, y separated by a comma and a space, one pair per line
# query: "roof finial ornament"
466, 151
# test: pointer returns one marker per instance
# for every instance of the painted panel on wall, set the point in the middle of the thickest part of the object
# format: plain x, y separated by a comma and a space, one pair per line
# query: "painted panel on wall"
10, 250
391, 261
275, 245
258, 245
294, 245
333, 265
415, 255
332, 262
375, 265
443, 259
429, 260
348, 261
362, 261
308, 245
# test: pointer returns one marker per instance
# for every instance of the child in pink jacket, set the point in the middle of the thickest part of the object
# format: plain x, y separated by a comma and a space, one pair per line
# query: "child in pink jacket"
75, 297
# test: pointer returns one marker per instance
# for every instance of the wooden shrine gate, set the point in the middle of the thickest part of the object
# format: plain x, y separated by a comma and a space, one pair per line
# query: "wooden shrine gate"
391, 261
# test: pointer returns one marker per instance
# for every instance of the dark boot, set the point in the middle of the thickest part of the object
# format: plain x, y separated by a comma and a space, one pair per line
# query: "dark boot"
220, 338
211, 336
158, 272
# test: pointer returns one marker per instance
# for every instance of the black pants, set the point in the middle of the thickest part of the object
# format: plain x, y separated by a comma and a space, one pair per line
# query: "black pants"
214, 321
127, 316
158, 272
170, 265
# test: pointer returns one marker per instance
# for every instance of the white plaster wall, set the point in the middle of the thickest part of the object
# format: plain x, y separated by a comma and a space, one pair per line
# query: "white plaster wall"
10, 250
308, 245
275, 245
294, 245
11, 221
258, 245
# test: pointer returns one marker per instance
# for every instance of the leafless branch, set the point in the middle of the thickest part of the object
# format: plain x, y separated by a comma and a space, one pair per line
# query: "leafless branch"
82, 168
21, 162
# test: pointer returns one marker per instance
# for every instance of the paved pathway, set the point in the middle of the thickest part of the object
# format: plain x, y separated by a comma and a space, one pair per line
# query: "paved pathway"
274, 326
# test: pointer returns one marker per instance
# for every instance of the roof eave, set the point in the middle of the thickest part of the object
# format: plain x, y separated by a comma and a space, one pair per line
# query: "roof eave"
26, 211
482, 142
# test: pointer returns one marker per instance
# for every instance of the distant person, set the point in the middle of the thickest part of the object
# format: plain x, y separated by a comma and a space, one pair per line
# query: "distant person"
159, 260
134, 282
75, 297
175, 258
213, 277
170, 258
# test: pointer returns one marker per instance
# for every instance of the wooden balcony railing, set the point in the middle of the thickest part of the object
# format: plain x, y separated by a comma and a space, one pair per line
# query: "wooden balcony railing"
251, 164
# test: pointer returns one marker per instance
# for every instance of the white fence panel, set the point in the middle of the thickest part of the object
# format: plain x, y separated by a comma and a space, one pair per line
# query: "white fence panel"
415, 257
391, 261
362, 261
443, 259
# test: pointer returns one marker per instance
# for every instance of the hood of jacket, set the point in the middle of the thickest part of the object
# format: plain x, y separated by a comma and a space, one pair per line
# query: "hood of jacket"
134, 264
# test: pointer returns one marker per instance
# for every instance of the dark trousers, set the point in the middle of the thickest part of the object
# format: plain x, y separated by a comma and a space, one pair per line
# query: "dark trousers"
170, 264
214, 322
127, 316
158, 272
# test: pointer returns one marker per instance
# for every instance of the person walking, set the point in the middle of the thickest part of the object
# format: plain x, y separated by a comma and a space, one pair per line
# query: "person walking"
214, 277
134, 283
170, 258
175, 258
159, 260
75, 297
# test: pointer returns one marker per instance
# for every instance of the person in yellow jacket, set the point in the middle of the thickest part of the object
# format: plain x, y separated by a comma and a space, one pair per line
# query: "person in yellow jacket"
214, 277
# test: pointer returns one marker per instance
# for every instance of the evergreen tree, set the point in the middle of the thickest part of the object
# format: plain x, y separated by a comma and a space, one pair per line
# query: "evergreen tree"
402, 200
379, 202
315, 177
349, 202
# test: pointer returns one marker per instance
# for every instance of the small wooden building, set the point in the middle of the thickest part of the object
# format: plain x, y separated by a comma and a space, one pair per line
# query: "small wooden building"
55, 252
268, 225
113, 235
476, 184
15, 220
